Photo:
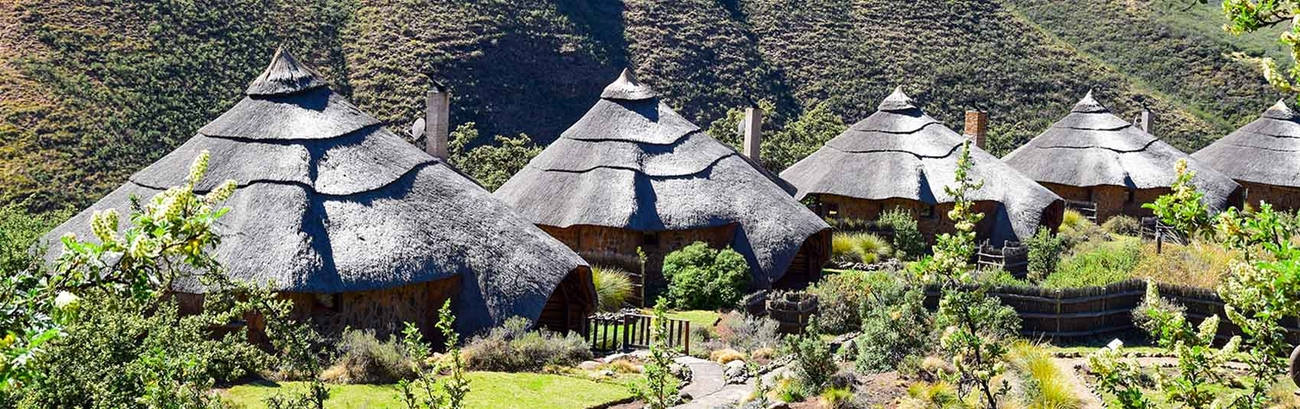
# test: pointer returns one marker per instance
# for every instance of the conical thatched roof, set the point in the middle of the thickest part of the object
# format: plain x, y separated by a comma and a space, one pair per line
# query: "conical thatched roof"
1266, 151
633, 163
1092, 147
899, 152
330, 201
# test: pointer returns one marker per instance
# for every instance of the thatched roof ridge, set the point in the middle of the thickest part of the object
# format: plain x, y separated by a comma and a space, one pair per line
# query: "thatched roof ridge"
335, 211
899, 152
1265, 151
634, 163
1092, 147
285, 75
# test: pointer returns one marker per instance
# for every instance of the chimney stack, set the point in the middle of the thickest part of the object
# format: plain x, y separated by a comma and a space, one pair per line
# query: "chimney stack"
977, 127
1145, 120
437, 121
753, 130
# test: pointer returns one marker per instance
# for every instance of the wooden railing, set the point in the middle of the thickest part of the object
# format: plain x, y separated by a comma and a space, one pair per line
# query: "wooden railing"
1012, 257
1087, 209
626, 332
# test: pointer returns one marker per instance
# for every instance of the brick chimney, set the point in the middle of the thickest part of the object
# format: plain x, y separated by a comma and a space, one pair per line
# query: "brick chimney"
977, 127
437, 121
753, 129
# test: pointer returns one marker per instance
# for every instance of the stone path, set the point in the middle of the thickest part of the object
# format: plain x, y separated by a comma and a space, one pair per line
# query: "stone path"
708, 387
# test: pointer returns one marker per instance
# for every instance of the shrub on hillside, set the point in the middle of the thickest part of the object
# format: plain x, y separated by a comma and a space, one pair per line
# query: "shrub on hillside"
513, 348
908, 243
364, 359
1122, 225
700, 277
813, 363
1077, 229
613, 288
1197, 264
747, 333
895, 325
1044, 253
840, 298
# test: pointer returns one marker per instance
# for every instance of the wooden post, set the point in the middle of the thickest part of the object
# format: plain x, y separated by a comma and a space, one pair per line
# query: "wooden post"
627, 331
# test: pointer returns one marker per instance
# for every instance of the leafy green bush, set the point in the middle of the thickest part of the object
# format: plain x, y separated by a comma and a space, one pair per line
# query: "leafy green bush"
613, 288
895, 325
700, 277
907, 241
840, 297
1044, 253
513, 348
489, 165
1076, 229
813, 363
1096, 264
1122, 225
748, 333
364, 359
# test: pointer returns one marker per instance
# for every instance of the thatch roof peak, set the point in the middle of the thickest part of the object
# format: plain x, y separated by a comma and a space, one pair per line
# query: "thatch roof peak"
285, 75
1281, 111
1089, 105
627, 88
896, 101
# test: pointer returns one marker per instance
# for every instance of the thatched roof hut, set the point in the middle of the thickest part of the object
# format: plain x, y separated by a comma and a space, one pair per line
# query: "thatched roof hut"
1263, 156
632, 173
1100, 161
358, 226
899, 157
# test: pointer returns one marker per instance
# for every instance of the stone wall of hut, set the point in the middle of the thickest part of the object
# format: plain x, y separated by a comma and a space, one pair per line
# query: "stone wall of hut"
931, 220
656, 245
1111, 200
385, 311
1281, 197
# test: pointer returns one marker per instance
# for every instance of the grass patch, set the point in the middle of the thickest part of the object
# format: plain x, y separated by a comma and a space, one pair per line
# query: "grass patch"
1097, 263
487, 390
1046, 386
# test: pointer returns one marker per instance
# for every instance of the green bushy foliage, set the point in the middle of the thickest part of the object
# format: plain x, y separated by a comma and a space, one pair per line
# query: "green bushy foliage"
659, 389
512, 347
859, 248
700, 277
364, 359
1077, 229
895, 325
840, 298
442, 384
491, 165
1122, 225
1044, 253
813, 363
1096, 264
613, 288
907, 241
744, 332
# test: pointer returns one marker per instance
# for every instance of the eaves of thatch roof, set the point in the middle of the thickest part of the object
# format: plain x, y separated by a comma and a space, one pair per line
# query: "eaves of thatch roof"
899, 152
1265, 151
633, 163
330, 201
1092, 147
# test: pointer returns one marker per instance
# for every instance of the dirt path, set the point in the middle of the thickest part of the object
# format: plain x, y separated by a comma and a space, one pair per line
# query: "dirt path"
1071, 367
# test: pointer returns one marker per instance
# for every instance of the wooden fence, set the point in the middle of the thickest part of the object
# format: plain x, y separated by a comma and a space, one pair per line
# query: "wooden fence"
626, 332
1074, 313
1087, 209
1012, 257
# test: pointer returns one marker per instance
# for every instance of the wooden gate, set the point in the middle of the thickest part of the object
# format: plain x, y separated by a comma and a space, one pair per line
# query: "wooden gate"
626, 332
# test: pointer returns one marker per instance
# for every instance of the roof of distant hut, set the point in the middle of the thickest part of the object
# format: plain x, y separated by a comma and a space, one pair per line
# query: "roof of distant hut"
899, 152
330, 201
1266, 151
633, 163
1092, 147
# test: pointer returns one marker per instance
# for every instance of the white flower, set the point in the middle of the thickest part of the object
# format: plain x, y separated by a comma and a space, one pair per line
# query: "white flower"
66, 300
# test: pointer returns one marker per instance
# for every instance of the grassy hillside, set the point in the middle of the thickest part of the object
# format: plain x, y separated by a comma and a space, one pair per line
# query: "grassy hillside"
91, 91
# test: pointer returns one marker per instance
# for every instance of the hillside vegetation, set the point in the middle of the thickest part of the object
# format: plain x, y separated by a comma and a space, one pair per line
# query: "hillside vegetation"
92, 91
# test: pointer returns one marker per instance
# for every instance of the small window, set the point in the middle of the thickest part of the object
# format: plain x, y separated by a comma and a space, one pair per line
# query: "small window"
927, 211
650, 239
832, 210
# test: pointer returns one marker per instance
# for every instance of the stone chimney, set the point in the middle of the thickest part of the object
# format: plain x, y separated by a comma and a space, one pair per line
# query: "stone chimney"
753, 130
437, 121
977, 127
1146, 121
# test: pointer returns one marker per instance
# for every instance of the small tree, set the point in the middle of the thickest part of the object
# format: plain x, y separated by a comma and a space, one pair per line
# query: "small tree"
659, 390
974, 325
1044, 253
1248, 16
1183, 208
700, 277
453, 386
813, 362
490, 165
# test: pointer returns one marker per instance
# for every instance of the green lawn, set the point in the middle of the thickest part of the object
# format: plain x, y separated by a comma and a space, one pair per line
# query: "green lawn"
487, 390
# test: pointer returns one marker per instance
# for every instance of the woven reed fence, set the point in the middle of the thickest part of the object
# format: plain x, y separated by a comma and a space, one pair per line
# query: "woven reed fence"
1073, 313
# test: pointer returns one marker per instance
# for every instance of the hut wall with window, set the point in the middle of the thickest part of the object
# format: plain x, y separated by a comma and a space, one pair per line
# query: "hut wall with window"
633, 174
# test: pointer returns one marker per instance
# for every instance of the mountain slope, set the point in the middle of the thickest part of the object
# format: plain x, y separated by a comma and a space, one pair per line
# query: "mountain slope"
92, 91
